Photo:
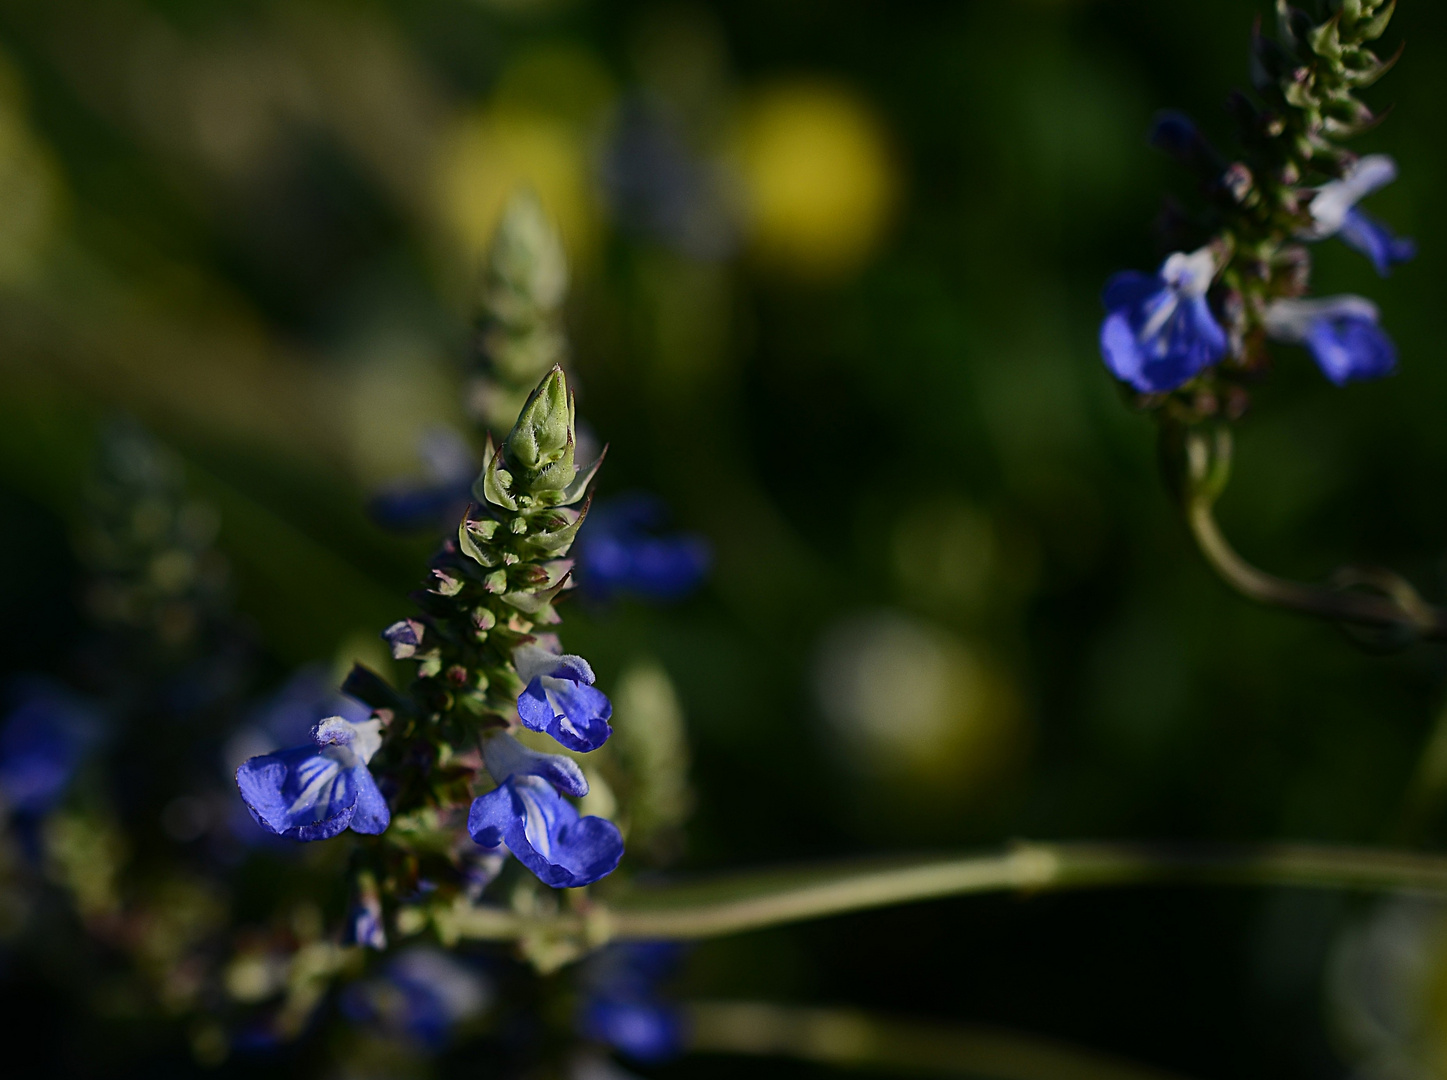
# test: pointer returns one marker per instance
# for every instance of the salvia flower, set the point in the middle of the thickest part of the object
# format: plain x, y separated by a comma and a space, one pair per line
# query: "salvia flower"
622, 1006
1341, 333
317, 792
439, 496
421, 997
1159, 332
559, 698
620, 551
545, 832
1334, 212
42, 744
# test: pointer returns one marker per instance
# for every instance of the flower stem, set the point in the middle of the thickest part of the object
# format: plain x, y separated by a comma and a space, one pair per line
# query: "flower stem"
1363, 596
850, 1038
1398, 606
737, 903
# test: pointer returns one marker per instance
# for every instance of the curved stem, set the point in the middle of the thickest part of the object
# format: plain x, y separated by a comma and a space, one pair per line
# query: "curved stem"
850, 1038
737, 903
1197, 462
1399, 608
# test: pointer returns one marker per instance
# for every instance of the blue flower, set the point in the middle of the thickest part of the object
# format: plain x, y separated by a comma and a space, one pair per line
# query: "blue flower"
1159, 331
364, 924
559, 698
436, 501
316, 792
1340, 331
618, 552
541, 828
42, 743
622, 1006
422, 995
1334, 213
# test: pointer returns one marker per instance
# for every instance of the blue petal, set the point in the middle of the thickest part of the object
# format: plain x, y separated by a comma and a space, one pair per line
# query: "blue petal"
306, 795
42, 744
505, 757
1129, 288
372, 815
1350, 349
573, 713
1174, 350
1374, 240
545, 833
419, 507
644, 1030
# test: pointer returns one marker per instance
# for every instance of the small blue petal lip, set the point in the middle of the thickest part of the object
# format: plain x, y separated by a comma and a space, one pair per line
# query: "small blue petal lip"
545, 833
1351, 349
1376, 241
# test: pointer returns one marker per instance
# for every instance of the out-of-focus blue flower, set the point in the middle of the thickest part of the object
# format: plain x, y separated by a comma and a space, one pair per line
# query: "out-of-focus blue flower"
619, 551
621, 1003
439, 497
1340, 331
1177, 134
1377, 242
42, 743
316, 792
285, 718
545, 832
421, 996
1159, 331
559, 697
1334, 213
364, 925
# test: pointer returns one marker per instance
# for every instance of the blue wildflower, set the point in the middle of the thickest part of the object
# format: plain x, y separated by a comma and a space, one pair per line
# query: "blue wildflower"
1334, 213
316, 792
42, 743
542, 829
1340, 331
422, 995
622, 1006
559, 698
1159, 331
436, 500
619, 552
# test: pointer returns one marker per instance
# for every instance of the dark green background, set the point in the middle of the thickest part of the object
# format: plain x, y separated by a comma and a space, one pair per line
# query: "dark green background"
959, 363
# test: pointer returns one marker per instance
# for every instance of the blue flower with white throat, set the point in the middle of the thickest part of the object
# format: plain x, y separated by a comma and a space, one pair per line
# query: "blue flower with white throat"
528, 814
316, 792
1334, 213
1159, 332
559, 698
1341, 332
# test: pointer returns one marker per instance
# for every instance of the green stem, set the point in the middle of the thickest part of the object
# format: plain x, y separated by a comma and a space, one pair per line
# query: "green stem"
738, 903
846, 1037
1398, 606
1203, 458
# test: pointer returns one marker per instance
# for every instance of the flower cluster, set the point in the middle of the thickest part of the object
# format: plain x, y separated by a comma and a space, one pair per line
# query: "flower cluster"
486, 668
1187, 335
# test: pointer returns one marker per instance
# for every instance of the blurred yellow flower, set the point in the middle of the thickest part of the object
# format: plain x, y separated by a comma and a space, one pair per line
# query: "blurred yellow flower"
492, 153
819, 179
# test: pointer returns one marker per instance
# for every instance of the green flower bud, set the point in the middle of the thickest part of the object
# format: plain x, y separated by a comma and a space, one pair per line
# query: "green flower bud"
540, 446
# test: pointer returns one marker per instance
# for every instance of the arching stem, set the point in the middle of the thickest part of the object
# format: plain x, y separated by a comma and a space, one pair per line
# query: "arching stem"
1392, 604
